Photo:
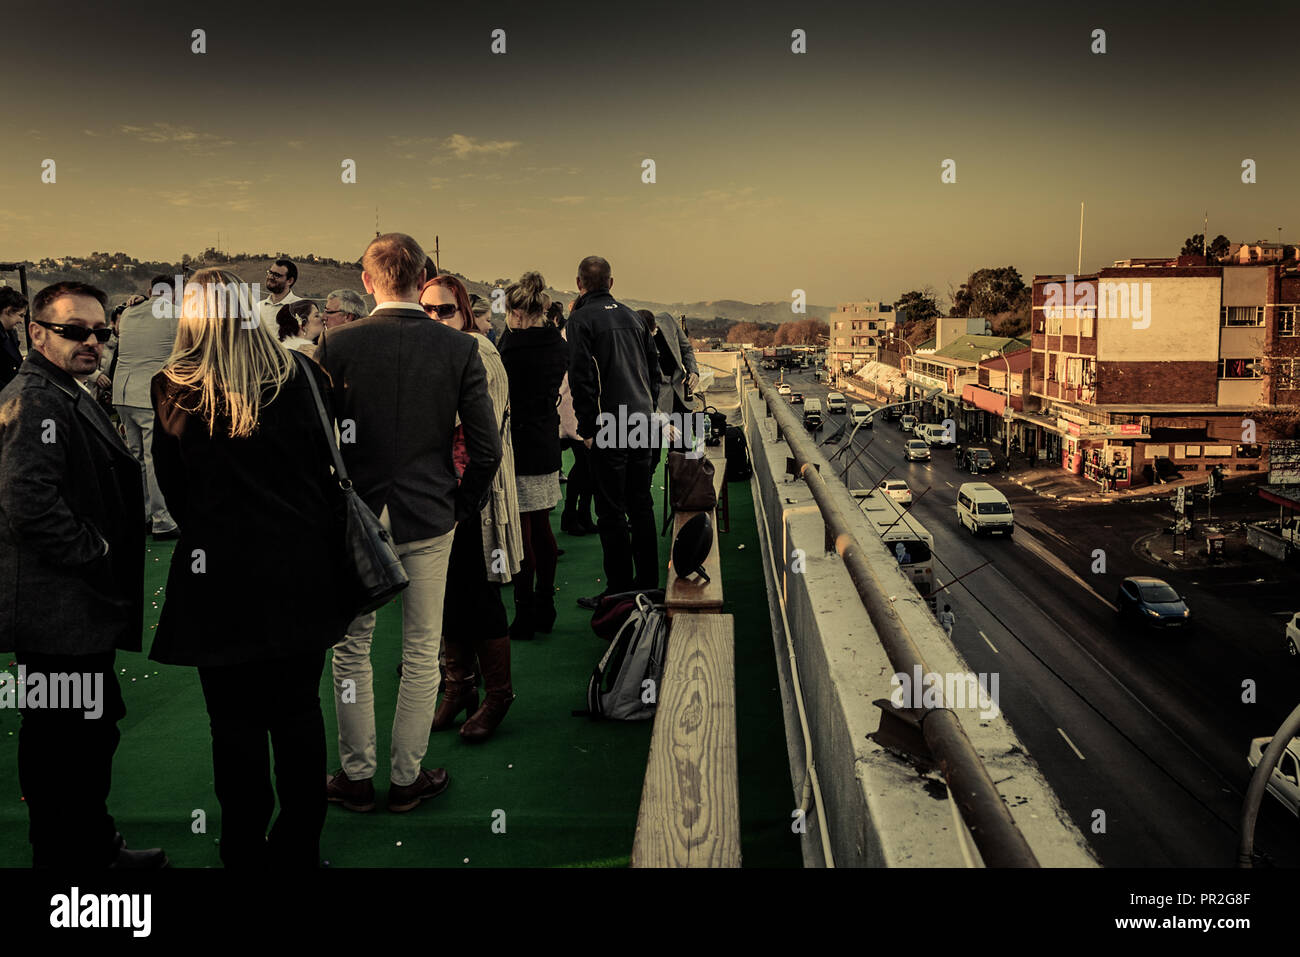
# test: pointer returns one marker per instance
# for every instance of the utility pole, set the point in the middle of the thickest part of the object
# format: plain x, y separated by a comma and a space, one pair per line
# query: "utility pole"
376, 222
1078, 268
437, 262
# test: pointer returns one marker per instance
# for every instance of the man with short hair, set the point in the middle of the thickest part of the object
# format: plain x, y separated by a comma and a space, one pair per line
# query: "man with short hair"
614, 375
71, 581
146, 333
12, 307
281, 276
343, 306
401, 382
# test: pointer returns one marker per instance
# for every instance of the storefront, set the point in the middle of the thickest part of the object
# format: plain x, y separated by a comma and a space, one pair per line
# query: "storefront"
1109, 461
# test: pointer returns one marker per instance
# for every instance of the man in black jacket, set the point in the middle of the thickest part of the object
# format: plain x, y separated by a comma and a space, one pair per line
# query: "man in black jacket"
400, 380
71, 581
12, 306
614, 377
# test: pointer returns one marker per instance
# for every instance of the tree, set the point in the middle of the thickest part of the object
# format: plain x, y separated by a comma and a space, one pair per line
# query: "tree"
1217, 249
991, 291
916, 306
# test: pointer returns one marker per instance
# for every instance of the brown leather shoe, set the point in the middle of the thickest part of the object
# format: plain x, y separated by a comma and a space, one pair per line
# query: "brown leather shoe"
353, 795
494, 657
458, 690
428, 784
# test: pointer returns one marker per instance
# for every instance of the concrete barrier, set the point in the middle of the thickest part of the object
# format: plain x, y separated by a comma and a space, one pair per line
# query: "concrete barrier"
881, 810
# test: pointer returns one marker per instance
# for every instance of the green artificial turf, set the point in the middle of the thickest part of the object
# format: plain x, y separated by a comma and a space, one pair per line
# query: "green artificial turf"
548, 789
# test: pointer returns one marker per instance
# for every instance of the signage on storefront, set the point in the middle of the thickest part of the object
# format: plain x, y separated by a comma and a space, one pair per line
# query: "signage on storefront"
1128, 429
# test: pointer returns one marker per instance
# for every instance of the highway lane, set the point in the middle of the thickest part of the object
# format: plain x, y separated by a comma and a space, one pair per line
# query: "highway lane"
1139, 728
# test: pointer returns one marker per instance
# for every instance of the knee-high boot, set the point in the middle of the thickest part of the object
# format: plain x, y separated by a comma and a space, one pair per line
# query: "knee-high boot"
494, 657
458, 690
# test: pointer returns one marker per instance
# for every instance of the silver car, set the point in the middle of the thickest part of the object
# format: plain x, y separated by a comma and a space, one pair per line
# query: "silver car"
916, 450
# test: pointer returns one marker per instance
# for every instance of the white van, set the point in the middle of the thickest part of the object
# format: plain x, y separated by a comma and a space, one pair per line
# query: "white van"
907, 423
932, 434
982, 508
835, 404
860, 413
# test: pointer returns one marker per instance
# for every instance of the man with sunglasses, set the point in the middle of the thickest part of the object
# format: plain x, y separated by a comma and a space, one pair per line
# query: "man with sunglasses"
343, 306
71, 579
280, 278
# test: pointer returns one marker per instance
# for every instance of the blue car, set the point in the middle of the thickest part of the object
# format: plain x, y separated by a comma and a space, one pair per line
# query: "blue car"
1151, 602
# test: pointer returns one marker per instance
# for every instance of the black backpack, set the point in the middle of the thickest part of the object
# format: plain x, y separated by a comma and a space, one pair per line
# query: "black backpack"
738, 467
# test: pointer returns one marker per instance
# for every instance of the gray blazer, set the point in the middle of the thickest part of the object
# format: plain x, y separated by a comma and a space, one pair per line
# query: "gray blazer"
680, 347
144, 342
400, 381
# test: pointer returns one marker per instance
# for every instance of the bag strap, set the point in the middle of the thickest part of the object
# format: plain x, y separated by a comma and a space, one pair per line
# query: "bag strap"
325, 424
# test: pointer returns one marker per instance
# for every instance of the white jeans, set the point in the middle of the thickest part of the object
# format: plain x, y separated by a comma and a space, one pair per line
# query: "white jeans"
425, 562
137, 422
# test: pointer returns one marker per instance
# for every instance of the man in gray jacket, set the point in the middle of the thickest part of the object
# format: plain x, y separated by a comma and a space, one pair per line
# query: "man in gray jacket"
146, 333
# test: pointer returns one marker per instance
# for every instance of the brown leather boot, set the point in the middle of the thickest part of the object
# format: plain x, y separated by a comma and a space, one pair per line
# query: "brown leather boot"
458, 690
494, 657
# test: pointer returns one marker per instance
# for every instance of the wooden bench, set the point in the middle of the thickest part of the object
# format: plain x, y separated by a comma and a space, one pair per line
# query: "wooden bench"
690, 807
696, 595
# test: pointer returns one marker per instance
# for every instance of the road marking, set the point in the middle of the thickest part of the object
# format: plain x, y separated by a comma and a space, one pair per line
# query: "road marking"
1027, 541
949, 484
989, 643
1071, 744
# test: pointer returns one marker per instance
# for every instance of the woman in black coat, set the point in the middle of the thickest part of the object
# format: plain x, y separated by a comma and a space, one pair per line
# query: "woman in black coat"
536, 357
251, 597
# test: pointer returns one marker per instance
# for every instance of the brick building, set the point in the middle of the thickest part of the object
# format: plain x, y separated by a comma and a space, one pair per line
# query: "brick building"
1152, 364
857, 329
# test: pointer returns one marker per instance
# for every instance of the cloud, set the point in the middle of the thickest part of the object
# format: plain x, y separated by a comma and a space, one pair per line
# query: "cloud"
190, 140
211, 193
568, 200
465, 146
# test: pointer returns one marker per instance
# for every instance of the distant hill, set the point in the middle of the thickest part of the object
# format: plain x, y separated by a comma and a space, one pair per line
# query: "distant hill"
317, 280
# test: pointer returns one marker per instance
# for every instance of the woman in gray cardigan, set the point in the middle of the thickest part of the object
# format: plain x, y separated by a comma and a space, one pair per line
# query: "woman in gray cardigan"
484, 555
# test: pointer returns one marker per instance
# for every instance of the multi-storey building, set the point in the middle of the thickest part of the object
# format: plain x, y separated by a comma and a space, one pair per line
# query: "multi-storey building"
857, 329
1149, 365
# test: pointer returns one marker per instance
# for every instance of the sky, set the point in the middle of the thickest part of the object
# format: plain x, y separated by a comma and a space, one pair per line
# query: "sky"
774, 171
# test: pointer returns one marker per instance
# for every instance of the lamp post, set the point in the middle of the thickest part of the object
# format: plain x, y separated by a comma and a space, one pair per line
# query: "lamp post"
907, 385
1006, 405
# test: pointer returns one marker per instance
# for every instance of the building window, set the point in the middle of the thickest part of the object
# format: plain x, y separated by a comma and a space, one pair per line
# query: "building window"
1241, 316
1087, 327
1286, 320
1284, 375
1241, 368
1055, 324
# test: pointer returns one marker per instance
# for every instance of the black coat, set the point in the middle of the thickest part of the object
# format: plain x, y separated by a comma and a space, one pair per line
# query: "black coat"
613, 363
263, 515
10, 357
400, 379
68, 484
535, 360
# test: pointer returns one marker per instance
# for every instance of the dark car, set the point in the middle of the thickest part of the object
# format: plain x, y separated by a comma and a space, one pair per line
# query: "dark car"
977, 460
1151, 602
796, 398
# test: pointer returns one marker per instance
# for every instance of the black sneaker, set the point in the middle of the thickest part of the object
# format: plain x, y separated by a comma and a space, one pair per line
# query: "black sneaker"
592, 603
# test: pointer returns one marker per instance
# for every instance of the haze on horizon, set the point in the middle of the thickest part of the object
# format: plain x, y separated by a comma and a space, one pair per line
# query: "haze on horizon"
775, 171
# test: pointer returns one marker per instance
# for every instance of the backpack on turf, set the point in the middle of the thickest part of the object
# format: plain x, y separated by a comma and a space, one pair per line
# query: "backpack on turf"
625, 685
738, 467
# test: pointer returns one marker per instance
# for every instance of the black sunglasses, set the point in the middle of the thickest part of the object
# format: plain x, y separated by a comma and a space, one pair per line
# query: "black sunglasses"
77, 333
443, 310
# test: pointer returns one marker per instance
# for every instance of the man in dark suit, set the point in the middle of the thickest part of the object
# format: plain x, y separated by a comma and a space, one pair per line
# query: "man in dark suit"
12, 307
71, 580
614, 375
400, 381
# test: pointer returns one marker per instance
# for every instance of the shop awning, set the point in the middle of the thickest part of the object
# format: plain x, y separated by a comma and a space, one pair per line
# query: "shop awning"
987, 400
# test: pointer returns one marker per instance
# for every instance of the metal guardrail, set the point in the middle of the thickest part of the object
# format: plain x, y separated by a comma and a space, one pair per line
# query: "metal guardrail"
984, 812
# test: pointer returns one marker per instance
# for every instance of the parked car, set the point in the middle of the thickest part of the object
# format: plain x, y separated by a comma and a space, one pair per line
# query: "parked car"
916, 451
907, 422
977, 460
796, 398
1152, 602
898, 490
783, 388
860, 413
982, 508
1293, 635
835, 403
1284, 782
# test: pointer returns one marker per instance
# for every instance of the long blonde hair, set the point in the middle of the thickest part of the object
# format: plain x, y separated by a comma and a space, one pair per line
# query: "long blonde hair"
229, 366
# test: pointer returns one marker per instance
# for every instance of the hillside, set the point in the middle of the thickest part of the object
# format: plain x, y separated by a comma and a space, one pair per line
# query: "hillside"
317, 280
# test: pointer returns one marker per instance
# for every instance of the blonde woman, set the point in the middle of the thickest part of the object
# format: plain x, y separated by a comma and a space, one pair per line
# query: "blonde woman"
536, 359
484, 554
243, 464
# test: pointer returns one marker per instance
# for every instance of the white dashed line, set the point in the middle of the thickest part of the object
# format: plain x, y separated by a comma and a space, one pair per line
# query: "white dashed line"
1071, 744
989, 643
949, 484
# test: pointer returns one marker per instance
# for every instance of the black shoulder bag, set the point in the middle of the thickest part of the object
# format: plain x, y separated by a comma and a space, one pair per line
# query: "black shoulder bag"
376, 572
